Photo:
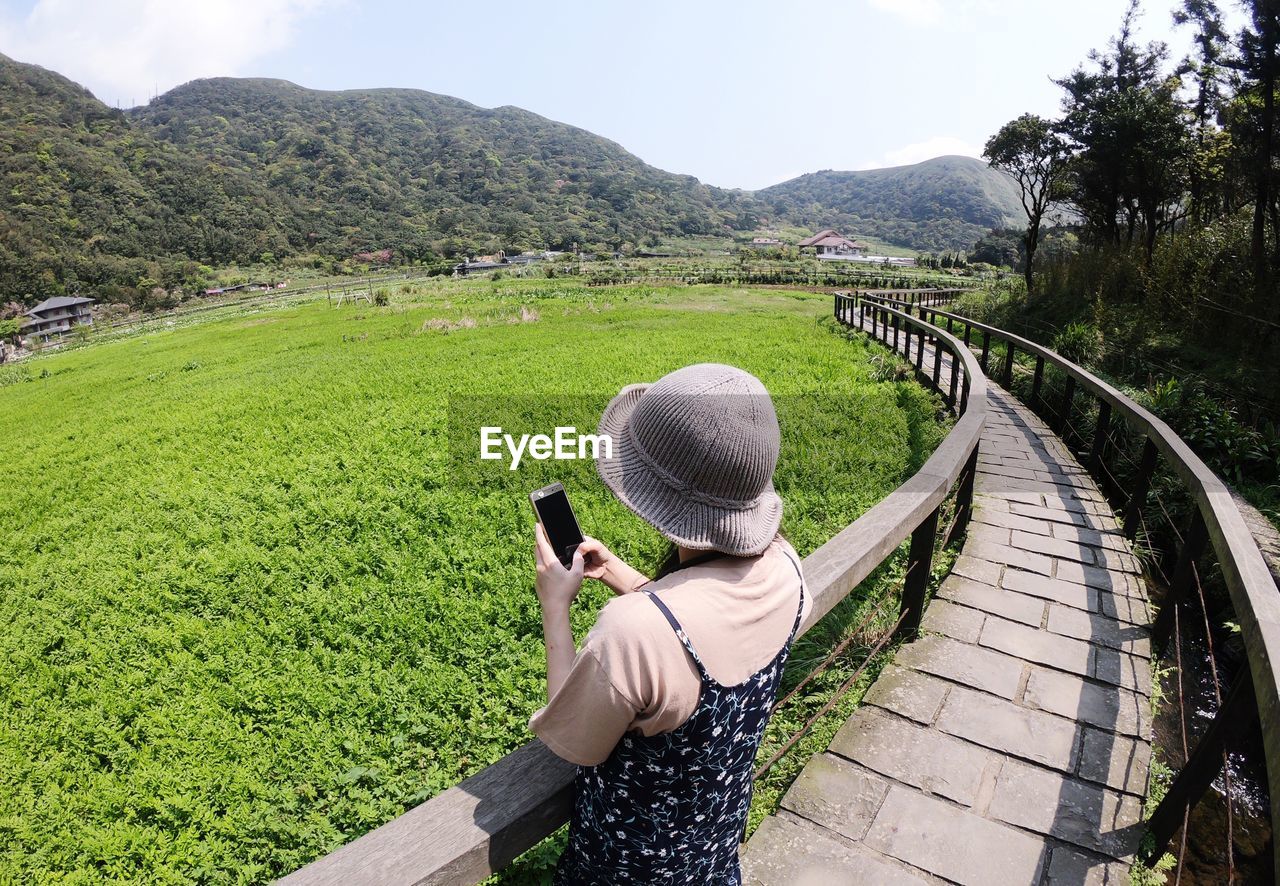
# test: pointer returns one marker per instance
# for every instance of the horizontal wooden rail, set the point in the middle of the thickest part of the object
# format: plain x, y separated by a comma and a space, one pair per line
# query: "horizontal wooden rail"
470, 831
1254, 595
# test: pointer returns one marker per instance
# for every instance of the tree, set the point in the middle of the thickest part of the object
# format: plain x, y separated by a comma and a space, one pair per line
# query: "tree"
1130, 136
1207, 66
1259, 51
1030, 151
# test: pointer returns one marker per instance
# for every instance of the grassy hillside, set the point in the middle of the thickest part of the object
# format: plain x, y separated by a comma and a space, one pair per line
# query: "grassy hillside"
941, 204
258, 596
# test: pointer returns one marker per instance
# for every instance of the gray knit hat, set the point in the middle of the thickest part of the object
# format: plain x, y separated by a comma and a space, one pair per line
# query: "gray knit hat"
693, 454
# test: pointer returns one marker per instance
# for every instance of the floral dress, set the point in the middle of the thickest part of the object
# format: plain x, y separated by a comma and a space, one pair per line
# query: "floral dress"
672, 808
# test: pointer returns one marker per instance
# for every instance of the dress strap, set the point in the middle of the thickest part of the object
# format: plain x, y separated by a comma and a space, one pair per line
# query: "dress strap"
795, 626
680, 634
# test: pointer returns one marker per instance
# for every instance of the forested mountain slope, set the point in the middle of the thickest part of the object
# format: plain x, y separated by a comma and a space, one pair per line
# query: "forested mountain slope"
224, 171
940, 204
414, 171
88, 196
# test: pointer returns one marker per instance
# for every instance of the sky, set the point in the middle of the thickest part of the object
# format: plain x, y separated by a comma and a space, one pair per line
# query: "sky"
740, 94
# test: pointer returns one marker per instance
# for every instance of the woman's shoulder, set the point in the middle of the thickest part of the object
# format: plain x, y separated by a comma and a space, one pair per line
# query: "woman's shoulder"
628, 620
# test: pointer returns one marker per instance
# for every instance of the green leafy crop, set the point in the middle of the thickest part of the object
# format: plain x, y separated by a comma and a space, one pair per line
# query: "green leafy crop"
250, 612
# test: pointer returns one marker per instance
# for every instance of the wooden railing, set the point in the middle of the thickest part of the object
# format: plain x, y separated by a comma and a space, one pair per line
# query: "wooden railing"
473, 830
914, 297
1215, 522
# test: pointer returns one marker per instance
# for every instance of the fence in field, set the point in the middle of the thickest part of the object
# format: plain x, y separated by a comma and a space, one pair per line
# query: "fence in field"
473, 830
825, 274
1117, 436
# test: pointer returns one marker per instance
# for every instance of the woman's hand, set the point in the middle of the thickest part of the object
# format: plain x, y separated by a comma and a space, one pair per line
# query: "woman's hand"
605, 566
556, 585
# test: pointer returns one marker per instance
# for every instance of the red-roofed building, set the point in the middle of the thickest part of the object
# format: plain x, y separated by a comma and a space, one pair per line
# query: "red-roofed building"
829, 242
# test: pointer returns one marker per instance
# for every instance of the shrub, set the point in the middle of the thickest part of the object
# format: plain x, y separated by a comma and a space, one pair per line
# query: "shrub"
1079, 343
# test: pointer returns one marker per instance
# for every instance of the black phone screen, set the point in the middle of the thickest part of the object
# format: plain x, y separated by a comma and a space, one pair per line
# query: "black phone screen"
560, 524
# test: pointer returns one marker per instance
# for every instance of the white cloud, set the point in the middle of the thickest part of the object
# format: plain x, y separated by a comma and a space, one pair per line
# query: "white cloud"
124, 50
927, 150
917, 12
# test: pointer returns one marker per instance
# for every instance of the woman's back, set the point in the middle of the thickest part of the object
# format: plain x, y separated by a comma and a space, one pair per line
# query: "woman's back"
669, 806
633, 672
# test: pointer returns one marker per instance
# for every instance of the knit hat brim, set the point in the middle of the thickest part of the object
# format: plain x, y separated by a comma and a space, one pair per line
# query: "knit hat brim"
740, 531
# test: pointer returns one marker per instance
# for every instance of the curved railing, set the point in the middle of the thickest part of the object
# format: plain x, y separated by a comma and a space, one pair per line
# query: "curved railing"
473, 830
914, 297
1216, 521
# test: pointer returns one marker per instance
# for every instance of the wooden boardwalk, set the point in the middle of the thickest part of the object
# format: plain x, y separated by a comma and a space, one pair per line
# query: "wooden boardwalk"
1010, 743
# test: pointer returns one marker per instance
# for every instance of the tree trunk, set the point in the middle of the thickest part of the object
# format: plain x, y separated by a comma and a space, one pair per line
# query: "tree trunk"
1032, 241
1262, 182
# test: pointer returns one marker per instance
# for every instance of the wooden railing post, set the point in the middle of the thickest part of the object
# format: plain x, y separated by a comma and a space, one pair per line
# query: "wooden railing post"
1098, 450
920, 351
1009, 352
937, 361
1068, 401
968, 332
916, 582
986, 349
1184, 579
964, 499
894, 318
1238, 712
906, 340
1037, 380
955, 377
1141, 483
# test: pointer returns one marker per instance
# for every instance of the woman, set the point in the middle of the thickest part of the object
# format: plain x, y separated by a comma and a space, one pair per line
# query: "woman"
664, 706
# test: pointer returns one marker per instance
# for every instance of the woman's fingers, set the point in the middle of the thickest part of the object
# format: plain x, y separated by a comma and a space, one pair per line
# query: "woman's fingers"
594, 555
542, 550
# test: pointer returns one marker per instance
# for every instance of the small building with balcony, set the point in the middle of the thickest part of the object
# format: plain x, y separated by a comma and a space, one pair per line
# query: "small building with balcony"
57, 316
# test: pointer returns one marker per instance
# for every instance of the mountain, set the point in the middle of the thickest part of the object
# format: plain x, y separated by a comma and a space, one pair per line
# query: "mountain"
224, 170
127, 205
941, 204
418, 172
85, 195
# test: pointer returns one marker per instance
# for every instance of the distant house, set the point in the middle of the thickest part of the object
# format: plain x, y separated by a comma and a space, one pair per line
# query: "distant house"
461, 269
829, 242
765, 242
55, 317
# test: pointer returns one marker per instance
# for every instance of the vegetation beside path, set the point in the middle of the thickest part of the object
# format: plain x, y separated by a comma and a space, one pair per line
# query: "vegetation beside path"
259, 595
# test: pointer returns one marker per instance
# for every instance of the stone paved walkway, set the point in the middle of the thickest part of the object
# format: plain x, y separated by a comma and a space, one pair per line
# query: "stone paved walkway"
1010, 743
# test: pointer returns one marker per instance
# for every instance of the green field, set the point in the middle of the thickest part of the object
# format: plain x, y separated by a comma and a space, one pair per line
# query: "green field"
257, 597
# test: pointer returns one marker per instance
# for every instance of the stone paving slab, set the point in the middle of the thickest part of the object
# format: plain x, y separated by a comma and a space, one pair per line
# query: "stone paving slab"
994, 601
783, 851
1108, 707
952, 842
915, 755
1011, 742
958, 622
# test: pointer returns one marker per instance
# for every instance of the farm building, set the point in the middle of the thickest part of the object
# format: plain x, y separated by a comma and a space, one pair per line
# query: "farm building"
829, 242
765, 242
55, 317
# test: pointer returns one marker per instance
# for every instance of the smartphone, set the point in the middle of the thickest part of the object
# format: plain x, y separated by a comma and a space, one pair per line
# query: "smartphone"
552, 508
